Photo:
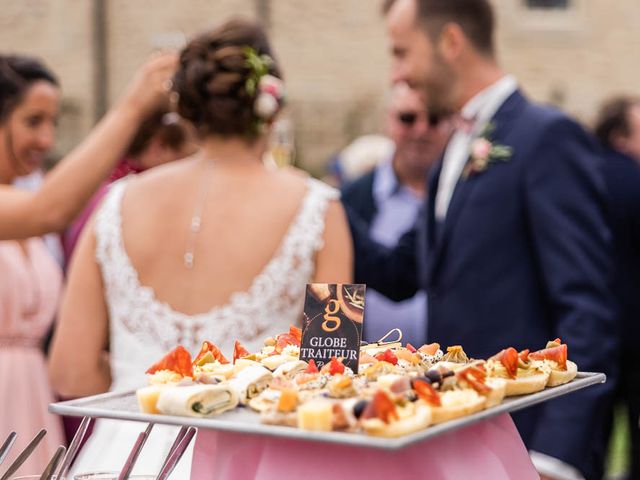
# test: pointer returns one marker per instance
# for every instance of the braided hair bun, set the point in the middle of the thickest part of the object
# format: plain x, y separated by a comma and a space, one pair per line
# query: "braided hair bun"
212, 79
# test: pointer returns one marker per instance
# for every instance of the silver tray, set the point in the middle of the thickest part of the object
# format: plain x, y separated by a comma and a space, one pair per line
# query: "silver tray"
124, 406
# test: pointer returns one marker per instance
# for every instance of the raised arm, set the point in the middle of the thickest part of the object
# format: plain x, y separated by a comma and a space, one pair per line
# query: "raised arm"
78, 360
69, 186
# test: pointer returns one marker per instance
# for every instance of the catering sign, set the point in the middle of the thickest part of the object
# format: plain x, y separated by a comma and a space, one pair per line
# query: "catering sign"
332, 327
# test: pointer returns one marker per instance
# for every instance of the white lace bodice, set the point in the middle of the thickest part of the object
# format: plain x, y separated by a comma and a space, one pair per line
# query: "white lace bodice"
143, 329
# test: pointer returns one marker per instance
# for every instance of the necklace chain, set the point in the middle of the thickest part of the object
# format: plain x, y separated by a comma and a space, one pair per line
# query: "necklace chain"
196, 220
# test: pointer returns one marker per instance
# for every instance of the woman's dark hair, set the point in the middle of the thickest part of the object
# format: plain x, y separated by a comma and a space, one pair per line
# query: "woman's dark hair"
212, 77
169, 128
17, 74
613, 119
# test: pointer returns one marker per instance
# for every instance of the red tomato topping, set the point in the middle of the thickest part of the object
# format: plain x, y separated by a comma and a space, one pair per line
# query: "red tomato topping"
509, 358
475, 377
524, 355
239, 351
312, 368
387, 356
557, 354
215, 351
335, 366
427, 393
384, 407
296, 333
177, 360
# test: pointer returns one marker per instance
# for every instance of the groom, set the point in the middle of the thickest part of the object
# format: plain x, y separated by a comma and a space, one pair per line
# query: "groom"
512, 248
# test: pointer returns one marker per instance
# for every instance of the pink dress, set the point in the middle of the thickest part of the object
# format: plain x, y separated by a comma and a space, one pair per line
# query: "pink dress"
30, 289
489, 450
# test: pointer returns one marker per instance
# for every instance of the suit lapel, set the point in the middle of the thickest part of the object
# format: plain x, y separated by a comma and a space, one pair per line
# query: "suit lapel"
503, 121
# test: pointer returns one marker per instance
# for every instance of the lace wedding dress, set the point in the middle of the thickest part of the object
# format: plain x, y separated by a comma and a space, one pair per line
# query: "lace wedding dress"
142, 328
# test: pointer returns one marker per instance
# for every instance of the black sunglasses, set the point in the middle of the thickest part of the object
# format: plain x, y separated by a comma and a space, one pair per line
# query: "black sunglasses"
409, 118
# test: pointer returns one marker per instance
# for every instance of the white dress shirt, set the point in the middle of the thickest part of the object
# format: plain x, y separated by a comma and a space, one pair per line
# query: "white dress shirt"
481, 108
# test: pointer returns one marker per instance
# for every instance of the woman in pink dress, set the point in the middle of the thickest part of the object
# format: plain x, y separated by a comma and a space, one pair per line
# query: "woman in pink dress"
30, 280
30, 286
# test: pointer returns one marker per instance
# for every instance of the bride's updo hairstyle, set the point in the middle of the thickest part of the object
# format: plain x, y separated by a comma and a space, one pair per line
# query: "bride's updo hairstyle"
225, 78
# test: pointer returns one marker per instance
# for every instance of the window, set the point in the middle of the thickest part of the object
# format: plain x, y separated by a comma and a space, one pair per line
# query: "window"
548, 4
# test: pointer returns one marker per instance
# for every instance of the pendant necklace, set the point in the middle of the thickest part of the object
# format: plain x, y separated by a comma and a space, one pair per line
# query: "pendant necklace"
196, 219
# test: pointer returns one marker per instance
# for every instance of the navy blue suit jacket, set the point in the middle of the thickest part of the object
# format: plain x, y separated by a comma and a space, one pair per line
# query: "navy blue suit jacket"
359, 196
622, 177
523, 257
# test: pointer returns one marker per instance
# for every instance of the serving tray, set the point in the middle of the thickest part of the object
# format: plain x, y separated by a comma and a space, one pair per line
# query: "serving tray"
124, 406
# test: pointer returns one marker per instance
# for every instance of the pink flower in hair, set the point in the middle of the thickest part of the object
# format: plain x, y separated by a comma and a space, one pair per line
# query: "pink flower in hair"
270, 97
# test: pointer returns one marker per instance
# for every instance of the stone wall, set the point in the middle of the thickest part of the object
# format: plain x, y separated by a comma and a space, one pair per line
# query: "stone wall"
333, 52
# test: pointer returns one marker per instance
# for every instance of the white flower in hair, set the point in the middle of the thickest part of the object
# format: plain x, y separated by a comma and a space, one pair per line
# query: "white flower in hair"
266, 106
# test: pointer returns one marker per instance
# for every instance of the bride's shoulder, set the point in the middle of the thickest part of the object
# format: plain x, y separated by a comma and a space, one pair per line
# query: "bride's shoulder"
147, 186
305, 182
162, 175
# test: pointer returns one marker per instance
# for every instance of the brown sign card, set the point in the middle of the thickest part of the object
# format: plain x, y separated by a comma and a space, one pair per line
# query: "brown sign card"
333, 316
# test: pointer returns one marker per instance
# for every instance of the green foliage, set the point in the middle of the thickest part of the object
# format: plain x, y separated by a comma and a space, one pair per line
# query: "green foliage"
259, 65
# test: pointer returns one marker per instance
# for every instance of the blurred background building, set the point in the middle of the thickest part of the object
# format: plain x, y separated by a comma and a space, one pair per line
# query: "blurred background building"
571, 53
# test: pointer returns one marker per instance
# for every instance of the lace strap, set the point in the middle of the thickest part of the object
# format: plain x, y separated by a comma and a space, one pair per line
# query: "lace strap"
308, 228
108, 228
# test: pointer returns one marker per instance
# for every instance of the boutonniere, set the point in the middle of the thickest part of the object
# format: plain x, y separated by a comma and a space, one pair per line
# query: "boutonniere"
484, 152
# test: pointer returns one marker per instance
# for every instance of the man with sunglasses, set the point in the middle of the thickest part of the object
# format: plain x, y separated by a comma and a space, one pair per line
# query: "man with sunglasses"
389, 198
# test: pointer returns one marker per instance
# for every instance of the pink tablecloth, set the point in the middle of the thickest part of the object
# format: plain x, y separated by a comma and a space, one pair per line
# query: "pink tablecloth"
489, 450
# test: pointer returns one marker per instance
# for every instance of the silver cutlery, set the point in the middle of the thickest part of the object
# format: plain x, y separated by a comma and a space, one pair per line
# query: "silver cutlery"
6, 446
53, 463
135, 451
176, 454
76, 441
176, 442
23, 455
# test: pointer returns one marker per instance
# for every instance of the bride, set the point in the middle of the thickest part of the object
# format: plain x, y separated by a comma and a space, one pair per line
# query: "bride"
216, 246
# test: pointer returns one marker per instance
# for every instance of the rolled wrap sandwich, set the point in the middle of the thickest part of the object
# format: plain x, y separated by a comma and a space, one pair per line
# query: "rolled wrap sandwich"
250, 381
197, 400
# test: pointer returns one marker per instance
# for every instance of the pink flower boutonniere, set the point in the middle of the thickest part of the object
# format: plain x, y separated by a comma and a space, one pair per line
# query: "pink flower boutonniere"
484, 152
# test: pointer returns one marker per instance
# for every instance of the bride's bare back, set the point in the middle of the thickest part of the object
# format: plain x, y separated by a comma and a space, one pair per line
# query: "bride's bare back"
246, 211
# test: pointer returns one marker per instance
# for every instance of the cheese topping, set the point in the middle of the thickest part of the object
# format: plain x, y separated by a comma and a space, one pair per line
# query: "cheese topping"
455, 398
496, 369
291, 350
164, 376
